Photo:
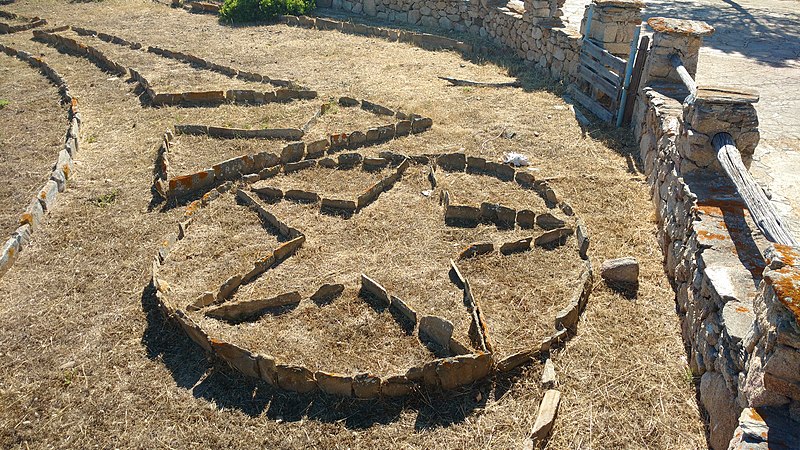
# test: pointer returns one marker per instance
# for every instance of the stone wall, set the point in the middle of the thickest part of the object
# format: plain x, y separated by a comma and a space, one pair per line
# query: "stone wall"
531, 29
737, 295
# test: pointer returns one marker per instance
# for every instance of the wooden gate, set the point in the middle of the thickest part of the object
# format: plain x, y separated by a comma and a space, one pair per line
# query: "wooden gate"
608, 77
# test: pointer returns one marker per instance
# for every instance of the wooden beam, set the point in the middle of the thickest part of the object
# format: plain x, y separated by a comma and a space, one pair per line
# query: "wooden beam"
761, 209
636, 79
457, 82
685, 77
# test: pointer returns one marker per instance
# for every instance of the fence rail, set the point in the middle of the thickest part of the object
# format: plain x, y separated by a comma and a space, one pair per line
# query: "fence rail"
761, 209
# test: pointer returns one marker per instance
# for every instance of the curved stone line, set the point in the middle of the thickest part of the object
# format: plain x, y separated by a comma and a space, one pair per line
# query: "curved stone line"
62, 170
192, 98
294, 156
194, 61
446, 373
8, 29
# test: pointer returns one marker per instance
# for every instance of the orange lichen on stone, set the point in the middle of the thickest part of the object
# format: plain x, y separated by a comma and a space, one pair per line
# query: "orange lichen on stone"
680, 26
27, 218
786, 285
742, 309
755, 415
183, 181
202, 175
788, 254
711, 236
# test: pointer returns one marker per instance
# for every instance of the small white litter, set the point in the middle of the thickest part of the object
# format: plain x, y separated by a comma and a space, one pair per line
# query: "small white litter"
427, 193
515, 159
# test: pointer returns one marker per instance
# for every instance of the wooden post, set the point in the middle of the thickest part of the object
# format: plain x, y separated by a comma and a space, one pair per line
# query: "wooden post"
636, 78
761, 210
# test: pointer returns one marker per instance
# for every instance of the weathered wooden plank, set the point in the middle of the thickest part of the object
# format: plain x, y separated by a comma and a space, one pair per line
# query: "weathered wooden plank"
590, 104
601, 70
615, 63
599, 83
636, 78
761, 210
459, 82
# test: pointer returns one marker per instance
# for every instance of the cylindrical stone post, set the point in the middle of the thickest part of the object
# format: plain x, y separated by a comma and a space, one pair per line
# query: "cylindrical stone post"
614, 23
670, 36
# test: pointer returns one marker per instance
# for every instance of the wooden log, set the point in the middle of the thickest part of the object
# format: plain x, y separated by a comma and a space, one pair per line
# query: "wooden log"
761, 210
685, 77
458, 82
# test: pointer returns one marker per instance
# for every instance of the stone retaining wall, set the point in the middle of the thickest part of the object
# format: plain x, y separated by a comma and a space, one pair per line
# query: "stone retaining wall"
737, 295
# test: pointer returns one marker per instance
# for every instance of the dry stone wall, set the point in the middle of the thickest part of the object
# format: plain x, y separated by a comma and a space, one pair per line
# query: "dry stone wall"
737, 294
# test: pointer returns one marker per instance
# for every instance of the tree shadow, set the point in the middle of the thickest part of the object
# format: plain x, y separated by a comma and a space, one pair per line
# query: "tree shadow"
769, 37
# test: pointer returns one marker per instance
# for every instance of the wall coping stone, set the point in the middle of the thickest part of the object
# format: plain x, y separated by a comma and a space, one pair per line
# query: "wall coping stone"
680, 26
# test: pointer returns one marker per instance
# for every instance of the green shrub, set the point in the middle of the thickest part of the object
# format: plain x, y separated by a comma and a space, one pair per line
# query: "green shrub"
259, 10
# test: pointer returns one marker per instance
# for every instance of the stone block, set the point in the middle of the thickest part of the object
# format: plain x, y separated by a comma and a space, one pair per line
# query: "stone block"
438, 329
521, 245
476, 249
722, 409
366, 385
293, 152
375, 290
334, 383
545, 418
295, 378
237, 357
327, 292
33, 214
452, 161
525, 218
47, 195
620, 270
397, 386
8, 254
462, 370
239, 311
548, 221
553, 237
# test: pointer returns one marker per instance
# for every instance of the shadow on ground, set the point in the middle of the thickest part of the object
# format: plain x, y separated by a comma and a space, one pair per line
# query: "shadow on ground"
769, 37
213, 380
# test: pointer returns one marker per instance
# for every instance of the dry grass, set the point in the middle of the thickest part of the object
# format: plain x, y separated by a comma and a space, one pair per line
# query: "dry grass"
227, 243
32, 133
328, 183
165, 74
136, 382
474, 189
194, 153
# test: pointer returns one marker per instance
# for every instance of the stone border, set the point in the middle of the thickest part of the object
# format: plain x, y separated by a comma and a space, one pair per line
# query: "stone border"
422, 40
465, 367
8, 29
186, 58
62, 170
192, 98
345, 161
501, 215
294, 156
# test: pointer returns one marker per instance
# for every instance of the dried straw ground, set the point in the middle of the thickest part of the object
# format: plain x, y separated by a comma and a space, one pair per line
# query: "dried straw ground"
88, 362
32, 127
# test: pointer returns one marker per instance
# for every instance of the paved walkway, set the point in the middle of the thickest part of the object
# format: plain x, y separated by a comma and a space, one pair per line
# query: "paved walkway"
756, 45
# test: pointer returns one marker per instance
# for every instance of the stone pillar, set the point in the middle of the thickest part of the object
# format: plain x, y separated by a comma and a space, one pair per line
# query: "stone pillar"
718, 110
670, 36
545, 12
614, 23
